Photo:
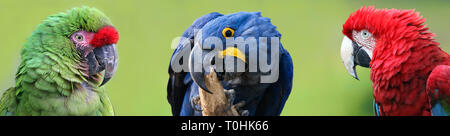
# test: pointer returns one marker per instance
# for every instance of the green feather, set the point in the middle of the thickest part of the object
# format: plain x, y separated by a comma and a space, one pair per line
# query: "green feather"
49, 80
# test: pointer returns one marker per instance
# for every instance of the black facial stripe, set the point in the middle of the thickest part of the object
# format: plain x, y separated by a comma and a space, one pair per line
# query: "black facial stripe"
361, 56
355, 47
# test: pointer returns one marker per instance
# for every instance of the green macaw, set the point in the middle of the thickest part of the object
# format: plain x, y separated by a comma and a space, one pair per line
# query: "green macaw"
61, 65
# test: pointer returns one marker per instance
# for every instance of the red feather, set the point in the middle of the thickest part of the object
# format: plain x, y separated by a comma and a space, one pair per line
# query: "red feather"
403, 58
105, 36
438, 84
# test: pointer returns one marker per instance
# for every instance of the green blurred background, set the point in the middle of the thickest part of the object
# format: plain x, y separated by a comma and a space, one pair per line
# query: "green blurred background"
311, 33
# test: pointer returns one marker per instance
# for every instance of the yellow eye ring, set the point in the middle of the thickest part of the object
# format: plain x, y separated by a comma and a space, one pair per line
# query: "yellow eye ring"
227, 32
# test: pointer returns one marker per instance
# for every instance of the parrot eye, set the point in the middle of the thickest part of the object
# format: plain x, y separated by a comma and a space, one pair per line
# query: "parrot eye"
79, 37
228, 32
365, 34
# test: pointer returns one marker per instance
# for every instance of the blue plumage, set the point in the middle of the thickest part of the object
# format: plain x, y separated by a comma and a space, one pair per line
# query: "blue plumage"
265, 99
377, 108
438, 110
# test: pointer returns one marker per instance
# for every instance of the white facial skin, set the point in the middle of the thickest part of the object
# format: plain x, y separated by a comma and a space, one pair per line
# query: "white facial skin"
81, 40
365, 39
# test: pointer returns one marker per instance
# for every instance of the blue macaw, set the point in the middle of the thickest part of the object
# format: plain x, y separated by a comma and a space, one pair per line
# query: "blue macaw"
261, 99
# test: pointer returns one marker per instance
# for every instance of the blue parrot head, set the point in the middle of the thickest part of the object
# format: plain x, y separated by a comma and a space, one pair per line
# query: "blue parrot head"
230, 45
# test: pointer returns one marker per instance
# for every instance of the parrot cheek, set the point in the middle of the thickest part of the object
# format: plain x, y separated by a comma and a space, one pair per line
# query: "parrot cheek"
83, 50
362, 55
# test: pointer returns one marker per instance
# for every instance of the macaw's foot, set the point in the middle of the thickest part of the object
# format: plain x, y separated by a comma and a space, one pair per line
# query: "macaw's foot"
218, 102
230, 94
237, 108
196, 103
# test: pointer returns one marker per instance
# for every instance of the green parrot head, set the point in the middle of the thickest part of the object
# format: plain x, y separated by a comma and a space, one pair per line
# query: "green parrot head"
82, 36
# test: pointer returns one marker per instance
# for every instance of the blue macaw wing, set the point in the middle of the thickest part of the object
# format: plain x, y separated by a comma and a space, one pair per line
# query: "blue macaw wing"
180, 82
276, 95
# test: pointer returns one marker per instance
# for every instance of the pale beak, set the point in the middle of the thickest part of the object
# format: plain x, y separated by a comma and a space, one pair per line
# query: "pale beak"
352, 54
347, 57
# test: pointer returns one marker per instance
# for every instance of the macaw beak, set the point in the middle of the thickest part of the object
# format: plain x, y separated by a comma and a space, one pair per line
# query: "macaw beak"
228, 53
103, 58
353, 54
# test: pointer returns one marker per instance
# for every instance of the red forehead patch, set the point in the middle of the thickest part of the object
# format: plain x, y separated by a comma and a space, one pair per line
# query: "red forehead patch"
105, 36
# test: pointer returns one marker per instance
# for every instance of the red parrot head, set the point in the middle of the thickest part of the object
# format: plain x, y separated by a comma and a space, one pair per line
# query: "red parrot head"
400, 52
370, 31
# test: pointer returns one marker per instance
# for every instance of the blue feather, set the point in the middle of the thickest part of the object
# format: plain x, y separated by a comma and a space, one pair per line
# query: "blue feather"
176, 89
377, 108
262, 99
438, 110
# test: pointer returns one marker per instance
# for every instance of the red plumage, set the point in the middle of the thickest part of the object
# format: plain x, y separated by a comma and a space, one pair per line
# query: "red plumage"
404, 56
438, 84
105, 36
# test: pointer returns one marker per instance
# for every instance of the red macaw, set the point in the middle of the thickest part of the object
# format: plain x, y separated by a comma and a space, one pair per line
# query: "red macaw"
409, 71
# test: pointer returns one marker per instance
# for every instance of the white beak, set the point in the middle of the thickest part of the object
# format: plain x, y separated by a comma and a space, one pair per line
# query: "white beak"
348, 58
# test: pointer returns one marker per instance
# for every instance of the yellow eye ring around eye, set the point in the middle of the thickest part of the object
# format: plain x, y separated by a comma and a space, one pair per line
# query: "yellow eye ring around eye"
227, 32
79, 37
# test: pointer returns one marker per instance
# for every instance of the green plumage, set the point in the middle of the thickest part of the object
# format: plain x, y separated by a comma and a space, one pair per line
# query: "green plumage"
51, 79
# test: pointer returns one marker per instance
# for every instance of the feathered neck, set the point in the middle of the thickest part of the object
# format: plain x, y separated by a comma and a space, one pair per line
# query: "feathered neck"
402, 60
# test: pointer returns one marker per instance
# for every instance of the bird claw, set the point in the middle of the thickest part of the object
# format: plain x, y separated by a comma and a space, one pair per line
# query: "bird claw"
239, 108
230, 97
244, 113
230, 94
195, 103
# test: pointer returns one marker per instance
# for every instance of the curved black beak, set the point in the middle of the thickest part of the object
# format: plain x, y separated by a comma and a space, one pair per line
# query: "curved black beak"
104, 58
214, 61
196, 67
361, 56
199, 79
352, 54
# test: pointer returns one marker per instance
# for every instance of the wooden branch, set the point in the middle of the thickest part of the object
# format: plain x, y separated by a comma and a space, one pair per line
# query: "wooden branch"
215, 104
